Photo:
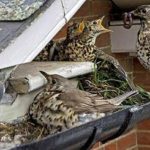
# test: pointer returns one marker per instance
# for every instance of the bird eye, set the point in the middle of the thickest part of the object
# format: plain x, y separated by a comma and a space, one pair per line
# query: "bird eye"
75, 27
143, 11
53, 81
94, 22
89, 28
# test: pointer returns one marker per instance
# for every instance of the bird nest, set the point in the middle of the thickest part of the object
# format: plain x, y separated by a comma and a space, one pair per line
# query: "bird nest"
104, 81
15, 134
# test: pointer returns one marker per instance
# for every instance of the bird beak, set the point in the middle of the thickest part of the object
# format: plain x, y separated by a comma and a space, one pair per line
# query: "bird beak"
44, 74
100, 21
81, 27
47, 76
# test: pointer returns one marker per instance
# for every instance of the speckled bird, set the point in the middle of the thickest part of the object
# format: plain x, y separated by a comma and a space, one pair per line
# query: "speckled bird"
58, 106
54, 50
72, 32
79, 45
82, 47
143, 40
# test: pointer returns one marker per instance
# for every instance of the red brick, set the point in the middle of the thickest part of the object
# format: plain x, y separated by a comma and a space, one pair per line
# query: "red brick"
102, 7
143, 138
144, 125
103, 40
147, 88
121, 55
138, 66
111, 146
126, 64
133, 148
143, 148
141, 78
101, 148
96, 146
61, 33
85, 10
126, 141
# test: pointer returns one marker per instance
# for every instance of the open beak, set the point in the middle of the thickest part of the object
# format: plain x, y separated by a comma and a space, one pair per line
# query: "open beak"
106, 30
101, 26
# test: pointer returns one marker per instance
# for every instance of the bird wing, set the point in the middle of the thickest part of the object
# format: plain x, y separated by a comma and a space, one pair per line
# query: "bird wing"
117, 65
83, 101
119, 99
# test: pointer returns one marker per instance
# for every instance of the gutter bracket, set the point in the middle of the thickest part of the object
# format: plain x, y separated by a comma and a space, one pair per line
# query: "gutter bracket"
122, 128
91, 140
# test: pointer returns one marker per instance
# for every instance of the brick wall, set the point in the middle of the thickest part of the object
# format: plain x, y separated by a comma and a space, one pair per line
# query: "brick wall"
136, 139
143, 135
124, 142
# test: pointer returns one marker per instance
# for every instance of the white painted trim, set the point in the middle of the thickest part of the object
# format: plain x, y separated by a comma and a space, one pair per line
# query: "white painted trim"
123, 40
74, 9
26, 46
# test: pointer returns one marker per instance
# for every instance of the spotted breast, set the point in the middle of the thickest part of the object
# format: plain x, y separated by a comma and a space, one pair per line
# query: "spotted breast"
143, 40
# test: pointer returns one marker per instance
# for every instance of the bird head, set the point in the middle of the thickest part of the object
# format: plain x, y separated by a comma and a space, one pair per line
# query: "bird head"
95, 27
74, 30
142, 11
56, 81
47, 76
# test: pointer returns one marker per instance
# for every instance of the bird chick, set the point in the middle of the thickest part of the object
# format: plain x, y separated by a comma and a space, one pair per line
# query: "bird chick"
82, 47
54, 50
143, 38
72, 32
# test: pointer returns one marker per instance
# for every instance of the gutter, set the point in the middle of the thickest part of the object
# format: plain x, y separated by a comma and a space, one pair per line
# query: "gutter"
86, 135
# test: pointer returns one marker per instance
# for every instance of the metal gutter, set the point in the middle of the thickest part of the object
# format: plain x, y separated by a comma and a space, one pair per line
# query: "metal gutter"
76, 138
86, 135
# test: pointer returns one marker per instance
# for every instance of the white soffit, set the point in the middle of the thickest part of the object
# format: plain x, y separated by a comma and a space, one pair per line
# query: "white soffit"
123, 40
27, 45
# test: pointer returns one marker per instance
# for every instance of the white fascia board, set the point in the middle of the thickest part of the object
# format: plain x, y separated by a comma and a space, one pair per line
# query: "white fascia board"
123, 40
74, 9
26, 46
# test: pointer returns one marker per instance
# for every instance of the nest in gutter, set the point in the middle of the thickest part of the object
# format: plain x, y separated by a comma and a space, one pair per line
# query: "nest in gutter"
106, 81
12, 135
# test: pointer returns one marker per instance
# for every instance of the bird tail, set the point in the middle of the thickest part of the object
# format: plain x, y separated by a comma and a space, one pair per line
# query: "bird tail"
119, 99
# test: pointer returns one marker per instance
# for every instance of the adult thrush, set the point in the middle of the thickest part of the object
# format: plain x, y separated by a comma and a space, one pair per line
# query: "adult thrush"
58, 106
143, 39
